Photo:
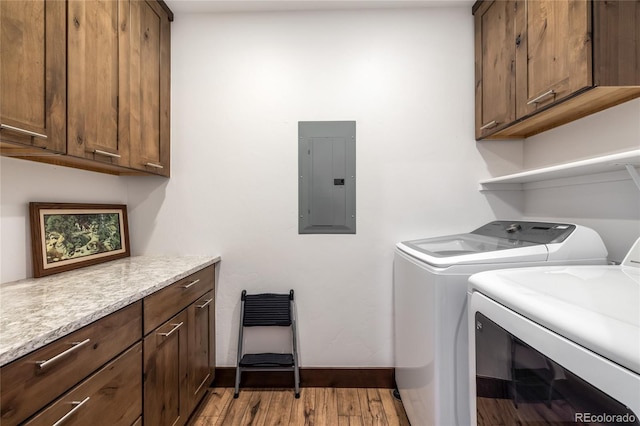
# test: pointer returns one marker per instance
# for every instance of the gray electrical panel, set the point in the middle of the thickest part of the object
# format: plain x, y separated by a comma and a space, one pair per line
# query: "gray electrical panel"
327, 177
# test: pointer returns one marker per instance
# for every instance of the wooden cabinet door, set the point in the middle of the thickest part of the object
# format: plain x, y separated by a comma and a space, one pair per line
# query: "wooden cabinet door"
150, 87
166, 399
557, 53
495, 52
201, 346
97, 44
33, 73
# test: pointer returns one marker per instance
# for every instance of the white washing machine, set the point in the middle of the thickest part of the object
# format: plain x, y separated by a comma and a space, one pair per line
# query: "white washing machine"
556, 345
430, 293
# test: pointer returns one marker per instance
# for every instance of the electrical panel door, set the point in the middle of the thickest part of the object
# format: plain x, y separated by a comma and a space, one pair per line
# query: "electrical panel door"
327, 174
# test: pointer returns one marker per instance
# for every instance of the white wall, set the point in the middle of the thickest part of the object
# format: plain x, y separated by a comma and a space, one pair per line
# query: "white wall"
240, 84
613, 130
22, 182
611, 208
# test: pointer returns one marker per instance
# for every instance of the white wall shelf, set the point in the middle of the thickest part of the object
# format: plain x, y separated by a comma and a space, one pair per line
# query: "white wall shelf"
611, 167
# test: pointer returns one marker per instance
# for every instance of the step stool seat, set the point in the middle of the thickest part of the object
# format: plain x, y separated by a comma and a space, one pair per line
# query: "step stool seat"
266, 360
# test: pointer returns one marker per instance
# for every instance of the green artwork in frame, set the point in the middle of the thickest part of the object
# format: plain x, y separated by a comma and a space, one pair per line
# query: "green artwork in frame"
67, 236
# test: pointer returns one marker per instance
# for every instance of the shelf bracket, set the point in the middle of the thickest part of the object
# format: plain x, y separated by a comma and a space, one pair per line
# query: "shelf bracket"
634, 174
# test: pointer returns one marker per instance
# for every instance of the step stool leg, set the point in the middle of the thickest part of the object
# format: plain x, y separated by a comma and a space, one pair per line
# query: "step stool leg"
240, 344
236, 393
294, 335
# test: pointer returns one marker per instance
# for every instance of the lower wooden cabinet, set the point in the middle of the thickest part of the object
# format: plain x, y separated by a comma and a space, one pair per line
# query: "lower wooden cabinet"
201, 320
165, 373
179, 356
33, 381
114, 371
111, 396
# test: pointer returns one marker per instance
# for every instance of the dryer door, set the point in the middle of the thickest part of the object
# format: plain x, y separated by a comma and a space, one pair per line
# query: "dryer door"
540, 377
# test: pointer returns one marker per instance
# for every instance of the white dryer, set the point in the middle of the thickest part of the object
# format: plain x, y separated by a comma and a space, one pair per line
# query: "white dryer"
430, 293
556, 345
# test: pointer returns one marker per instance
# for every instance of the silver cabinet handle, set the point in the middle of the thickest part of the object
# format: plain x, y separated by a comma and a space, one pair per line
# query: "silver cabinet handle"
75, 347
192, 283
169, 333
23, 131
204, 305
489, 125
77, 404
541, 97
155, 166
105, 153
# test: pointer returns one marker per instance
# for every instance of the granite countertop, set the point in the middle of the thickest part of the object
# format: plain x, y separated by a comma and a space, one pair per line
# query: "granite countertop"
37, 311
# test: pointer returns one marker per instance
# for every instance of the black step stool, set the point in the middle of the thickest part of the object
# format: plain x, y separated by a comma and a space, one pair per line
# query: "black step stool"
268, 310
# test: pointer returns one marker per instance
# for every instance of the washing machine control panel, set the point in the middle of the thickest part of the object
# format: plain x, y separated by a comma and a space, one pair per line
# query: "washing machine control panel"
534, 232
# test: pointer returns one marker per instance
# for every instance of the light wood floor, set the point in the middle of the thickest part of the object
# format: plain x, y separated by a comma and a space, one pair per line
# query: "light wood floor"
316, 406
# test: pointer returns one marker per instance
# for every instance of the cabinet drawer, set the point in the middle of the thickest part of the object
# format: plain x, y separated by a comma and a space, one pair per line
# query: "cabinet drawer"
163, 304
33, 381
112, 396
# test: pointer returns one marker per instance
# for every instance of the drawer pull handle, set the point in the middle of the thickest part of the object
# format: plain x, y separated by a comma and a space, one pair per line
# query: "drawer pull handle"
192, 283
204, 305
75, 347
105, 153
489, 125
175, 327
23, 131
541, 97
155, 166
77, 404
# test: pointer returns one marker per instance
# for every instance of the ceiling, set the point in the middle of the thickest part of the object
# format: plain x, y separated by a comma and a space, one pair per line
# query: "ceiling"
217, 6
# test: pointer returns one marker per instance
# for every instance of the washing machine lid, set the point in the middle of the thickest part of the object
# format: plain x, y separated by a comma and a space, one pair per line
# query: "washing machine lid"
470, 249
499, 241
594, 306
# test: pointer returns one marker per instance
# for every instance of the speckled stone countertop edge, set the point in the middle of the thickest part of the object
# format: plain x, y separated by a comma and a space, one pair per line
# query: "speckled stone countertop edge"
24, 348
14, 352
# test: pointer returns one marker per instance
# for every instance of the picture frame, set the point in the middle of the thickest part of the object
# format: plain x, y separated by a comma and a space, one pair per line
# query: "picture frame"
67, 236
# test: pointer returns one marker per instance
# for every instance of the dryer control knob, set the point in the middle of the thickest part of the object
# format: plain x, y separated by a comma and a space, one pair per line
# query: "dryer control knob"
513, 228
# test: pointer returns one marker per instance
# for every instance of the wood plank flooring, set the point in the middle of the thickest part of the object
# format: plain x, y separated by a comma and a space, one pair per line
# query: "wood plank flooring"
316, 406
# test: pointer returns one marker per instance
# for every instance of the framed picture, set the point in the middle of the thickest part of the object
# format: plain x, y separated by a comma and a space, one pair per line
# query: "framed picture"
67, 236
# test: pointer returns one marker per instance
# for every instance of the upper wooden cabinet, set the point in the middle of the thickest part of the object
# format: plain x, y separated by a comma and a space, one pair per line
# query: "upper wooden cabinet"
544, 63
150, 87
90, 79
495, 66
32, 75
97, 58
555, 45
